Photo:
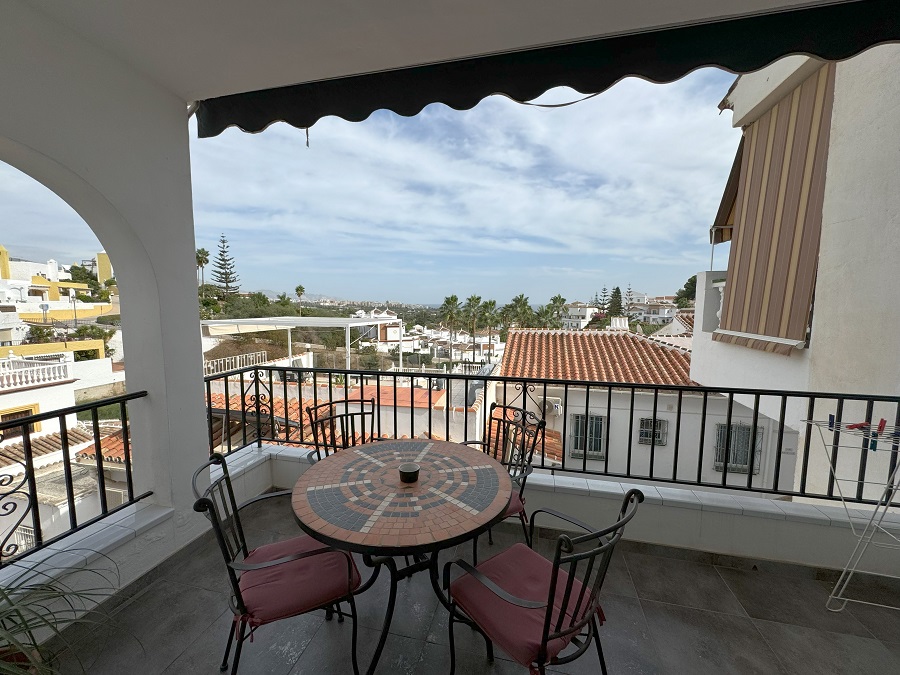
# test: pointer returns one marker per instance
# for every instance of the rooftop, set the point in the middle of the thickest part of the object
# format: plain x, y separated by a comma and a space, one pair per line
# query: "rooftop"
594, 355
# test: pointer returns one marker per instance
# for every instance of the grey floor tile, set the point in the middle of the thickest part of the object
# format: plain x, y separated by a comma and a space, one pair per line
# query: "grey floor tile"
274, 651
697, 642
329, 652
882, 622
681, 582
152, 629
625, 637
800, 602
274, 514
618, 577
414, 609
435, 660
807, 650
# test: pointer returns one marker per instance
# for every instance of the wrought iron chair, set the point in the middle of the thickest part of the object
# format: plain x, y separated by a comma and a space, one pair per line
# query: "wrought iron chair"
511, 436
340, 424
275, 581
535, 609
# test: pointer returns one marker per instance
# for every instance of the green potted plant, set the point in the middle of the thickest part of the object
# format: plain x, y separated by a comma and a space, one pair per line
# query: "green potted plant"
39, 598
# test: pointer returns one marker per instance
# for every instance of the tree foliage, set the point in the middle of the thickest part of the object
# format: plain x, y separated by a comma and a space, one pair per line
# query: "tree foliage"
615, 302
687, 294
223, 273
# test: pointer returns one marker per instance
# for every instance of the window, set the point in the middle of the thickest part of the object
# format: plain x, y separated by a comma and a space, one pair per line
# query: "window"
739, 454
16, 432
646, 433
586, 432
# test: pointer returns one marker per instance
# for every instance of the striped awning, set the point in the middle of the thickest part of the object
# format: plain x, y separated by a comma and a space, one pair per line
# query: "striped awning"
825, 30
777, 220
723, 225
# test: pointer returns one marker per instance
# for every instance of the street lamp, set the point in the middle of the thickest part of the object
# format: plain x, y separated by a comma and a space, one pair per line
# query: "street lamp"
74, 309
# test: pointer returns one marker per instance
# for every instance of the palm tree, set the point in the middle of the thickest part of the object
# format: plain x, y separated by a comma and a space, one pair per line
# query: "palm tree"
490, 316
472, 312
520, 311
449, 312
202, 262
545, 317
557, 306
299, 291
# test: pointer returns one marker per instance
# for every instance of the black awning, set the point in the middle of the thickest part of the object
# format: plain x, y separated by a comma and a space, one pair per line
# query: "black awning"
830, 32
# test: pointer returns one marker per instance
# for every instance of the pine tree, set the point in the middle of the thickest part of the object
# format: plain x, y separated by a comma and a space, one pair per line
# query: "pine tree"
615, 302
223, 274
629, 300
603, 301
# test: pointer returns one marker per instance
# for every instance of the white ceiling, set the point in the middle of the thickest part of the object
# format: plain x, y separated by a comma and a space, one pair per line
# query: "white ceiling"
205, 48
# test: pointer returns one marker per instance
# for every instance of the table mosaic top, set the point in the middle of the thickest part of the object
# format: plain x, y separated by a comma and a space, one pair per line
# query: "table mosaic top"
355, 499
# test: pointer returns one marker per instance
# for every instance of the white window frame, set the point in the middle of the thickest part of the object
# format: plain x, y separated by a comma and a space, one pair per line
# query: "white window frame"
741, 434
576, 436
645, 436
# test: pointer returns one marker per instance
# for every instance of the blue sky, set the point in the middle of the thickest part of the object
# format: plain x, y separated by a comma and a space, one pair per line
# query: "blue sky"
495, 201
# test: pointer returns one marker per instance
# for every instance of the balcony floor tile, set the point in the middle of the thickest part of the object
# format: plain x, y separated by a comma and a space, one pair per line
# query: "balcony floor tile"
681, 582
668, 610
697, 641
807, 650
797, 601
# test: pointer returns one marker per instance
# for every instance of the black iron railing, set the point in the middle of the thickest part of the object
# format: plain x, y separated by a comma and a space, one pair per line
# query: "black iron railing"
55, 482
755, 440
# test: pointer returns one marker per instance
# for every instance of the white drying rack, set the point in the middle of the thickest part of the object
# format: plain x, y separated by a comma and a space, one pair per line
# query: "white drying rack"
880, 438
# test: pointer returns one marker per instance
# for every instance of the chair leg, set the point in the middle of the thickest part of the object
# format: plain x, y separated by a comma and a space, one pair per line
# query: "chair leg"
329, 612
340, 613
599, 648
240, 644
352, 603
489, 646
452, 645
231, 630
475, 551
490, 537
524, 519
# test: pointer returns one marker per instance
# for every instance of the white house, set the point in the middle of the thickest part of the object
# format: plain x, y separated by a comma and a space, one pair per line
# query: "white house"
578, 315
619, 429
803, 303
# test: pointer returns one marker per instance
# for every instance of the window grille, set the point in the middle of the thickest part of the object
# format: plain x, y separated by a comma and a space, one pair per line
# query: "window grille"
739, 454
645, 435
24, 537
586, 433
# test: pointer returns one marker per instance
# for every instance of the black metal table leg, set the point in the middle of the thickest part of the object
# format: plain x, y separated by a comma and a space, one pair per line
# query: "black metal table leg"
392, 600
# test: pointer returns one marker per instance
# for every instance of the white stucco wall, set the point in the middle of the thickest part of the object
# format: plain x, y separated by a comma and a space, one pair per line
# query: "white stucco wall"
689, 439
856, 321
114, 146
44, 399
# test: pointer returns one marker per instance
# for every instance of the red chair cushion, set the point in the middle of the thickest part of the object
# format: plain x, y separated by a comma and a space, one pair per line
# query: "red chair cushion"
516, 630
516, 506
295, 587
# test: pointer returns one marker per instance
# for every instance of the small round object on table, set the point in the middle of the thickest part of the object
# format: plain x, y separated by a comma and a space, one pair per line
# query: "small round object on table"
409, 472
355, 499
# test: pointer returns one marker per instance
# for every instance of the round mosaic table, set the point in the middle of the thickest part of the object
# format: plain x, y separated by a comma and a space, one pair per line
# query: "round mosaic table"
354, 499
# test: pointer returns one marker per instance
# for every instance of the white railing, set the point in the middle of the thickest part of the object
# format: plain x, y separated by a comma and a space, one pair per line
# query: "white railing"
16, 373
421, 369
215, 366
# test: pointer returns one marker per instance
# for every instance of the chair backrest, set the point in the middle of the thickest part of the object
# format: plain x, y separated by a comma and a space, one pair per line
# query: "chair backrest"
584, 558
217, 502
511, 437
341, 424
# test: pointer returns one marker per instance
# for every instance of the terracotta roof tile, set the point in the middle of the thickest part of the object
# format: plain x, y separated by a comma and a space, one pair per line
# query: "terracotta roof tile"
597, 356
14, 453
686, 318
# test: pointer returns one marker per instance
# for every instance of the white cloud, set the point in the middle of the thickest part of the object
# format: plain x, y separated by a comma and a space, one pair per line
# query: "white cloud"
497, 200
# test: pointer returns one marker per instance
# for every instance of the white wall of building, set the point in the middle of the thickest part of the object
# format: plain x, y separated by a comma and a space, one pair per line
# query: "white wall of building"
44, 399
617, 415
76, 119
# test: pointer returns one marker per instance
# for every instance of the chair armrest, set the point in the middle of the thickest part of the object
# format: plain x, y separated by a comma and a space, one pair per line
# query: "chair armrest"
562, 516
267, 495
490, 585
522, 476
245, 567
